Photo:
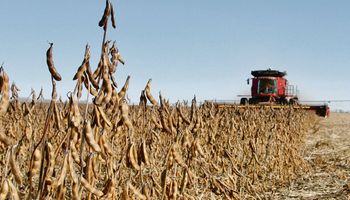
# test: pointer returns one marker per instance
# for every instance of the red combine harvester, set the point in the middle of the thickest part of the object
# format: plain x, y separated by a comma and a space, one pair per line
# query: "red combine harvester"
270, 88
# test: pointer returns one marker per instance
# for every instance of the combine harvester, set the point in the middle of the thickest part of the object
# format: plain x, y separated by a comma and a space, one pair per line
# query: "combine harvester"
270, 89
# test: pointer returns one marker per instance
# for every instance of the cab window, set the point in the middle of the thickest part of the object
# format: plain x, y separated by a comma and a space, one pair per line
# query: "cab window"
267, 86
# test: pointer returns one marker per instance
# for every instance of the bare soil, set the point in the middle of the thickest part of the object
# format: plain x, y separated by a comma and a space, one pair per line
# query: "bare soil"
327, 150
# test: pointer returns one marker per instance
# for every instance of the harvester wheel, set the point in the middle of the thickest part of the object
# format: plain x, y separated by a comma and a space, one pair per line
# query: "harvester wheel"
244, 101
294, 101
252, 101
283, 101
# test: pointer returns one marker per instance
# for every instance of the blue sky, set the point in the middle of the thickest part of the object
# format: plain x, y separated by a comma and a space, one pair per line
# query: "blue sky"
198, 47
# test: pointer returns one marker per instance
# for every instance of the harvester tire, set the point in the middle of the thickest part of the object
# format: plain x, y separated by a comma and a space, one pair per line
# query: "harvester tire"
283, 101
252, 101
244, 101
294, 101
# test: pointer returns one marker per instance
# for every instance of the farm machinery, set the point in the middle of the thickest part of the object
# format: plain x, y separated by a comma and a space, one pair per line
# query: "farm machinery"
270, 88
